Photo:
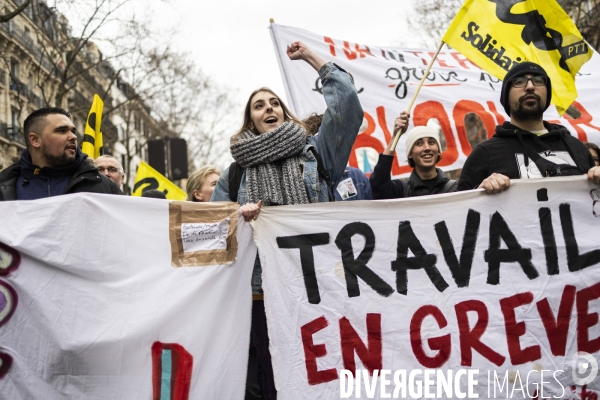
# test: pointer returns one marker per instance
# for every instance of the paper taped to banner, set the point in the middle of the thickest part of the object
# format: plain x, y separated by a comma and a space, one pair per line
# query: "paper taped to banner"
386, 79
480, 289
91, 307
203, 234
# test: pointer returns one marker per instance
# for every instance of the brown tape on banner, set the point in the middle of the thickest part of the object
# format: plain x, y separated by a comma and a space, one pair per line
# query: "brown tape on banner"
202, 234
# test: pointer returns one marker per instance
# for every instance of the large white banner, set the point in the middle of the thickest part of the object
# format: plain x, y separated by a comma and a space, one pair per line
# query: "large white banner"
114, 297
386, 79
456, 295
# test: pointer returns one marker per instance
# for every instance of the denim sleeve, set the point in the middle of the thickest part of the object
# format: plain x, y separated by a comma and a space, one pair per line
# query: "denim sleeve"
341, 121
221, 192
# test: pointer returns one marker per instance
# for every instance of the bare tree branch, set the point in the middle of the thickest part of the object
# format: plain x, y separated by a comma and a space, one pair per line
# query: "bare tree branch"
7, 17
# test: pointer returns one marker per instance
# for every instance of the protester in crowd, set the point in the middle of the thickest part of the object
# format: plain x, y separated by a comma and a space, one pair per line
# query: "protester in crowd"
51, 164
154, 194
527, 146
277, 163
354, 185
423, 151
201, 183
594, 151
111, 167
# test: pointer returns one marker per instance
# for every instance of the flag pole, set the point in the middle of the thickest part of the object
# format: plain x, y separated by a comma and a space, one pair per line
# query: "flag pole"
412, 102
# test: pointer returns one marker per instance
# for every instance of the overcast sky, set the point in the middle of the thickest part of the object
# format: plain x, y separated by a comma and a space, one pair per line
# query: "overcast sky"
230, 39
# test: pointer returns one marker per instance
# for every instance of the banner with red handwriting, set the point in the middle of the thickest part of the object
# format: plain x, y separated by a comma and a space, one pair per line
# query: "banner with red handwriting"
504, 289
386, 79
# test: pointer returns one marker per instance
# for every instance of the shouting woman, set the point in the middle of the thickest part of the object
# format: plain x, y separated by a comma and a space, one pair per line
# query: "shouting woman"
277, 163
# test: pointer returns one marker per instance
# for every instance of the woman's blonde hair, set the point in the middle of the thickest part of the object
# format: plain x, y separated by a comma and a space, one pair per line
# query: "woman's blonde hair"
197, 178
247, 125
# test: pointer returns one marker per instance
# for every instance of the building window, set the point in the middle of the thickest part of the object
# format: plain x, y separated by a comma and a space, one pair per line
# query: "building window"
14, 68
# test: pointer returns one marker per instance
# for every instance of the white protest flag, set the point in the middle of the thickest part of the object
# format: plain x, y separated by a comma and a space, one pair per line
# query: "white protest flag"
386, 79
107, 297
462, 295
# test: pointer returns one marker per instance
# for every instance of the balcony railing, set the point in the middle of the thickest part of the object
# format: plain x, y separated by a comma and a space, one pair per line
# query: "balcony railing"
26, 41
12, 133
23, 90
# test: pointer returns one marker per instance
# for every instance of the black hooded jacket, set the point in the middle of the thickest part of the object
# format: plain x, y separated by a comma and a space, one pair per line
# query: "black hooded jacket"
80, 176
504, 154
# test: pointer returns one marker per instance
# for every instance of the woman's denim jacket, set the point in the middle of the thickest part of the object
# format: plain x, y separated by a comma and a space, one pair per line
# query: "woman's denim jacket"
333, 143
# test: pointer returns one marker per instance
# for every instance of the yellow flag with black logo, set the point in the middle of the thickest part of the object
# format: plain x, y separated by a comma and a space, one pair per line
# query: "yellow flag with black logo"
148, 178
92, 135
499, 34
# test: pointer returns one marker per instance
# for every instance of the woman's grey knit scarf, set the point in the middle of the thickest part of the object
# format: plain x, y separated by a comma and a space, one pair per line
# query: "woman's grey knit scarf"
272, 164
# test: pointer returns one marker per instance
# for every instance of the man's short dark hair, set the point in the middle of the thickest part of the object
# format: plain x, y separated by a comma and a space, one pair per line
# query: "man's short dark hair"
35, 121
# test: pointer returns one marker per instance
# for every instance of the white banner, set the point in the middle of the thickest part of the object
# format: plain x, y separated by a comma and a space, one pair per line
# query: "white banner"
456, 295
100, 299
386, 79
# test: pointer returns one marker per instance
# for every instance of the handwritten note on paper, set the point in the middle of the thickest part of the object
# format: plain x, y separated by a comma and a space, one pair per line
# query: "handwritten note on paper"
204, 236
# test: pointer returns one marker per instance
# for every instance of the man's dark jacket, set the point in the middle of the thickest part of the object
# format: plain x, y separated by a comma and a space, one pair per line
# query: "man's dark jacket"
384, 187
499, 153
84, 177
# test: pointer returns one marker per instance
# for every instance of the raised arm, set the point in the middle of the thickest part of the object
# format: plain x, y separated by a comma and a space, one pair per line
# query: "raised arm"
344, 114
382, 185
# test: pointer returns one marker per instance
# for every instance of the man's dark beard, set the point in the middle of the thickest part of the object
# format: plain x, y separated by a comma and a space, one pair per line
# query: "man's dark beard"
58, 161
524, 113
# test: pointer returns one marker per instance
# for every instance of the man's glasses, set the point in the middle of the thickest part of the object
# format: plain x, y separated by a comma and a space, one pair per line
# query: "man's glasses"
111, 170
522, 81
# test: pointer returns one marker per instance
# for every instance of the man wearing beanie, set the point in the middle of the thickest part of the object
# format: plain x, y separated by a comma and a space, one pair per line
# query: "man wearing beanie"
527, 146
423, 152
52, 164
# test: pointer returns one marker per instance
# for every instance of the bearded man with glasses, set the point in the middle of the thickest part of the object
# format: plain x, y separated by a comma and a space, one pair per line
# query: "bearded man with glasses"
527, 146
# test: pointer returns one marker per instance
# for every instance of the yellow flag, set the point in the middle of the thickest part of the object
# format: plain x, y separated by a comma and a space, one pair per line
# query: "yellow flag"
92, 138
148, 178
498, 34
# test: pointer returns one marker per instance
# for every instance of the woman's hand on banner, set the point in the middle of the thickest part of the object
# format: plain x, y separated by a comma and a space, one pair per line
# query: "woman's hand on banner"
250, 211
300, 51
495, 183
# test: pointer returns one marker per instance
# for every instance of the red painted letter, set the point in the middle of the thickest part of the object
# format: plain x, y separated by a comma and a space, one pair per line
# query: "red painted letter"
558, 329
514, 329
331, 45
371, 357
313, 351
585, 119
441, 343
469, 338
586, 320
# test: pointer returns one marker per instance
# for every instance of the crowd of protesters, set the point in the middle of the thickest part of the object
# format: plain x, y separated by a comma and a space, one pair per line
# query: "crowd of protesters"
282, 160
